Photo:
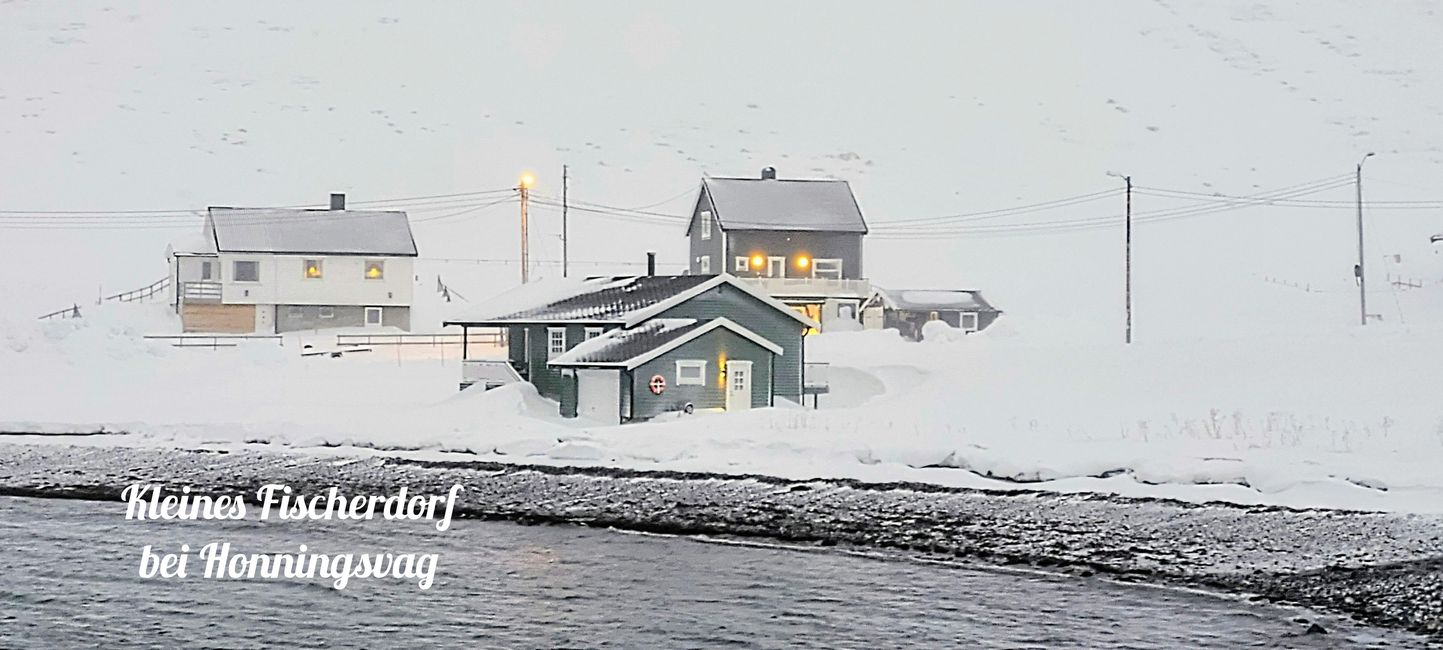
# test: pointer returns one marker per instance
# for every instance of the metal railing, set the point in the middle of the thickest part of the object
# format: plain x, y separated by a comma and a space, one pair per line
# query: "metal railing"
142, 293
212, 341
72, 311
200, 291
821, 287
494, 338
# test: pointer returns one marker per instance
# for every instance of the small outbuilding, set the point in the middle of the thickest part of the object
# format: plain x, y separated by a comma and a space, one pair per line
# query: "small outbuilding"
908, 310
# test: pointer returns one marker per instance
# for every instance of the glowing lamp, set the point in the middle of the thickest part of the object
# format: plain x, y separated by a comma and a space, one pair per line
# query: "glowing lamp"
527, 180
758, 261
803, 261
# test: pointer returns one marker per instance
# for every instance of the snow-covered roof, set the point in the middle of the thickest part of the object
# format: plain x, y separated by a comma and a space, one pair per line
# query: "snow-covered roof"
781, 204
628, 300
629, 348
934, 299
331, 232
192, 243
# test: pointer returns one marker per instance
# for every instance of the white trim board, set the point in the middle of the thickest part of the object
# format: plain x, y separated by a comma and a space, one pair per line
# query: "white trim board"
634, 362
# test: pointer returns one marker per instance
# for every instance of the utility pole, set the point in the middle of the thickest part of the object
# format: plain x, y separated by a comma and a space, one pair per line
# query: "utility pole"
1362, 284
524, 187
1127, 256
565, 181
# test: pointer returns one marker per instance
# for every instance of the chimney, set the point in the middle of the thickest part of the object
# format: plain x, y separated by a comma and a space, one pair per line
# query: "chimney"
769, 173
338, 201
651, 262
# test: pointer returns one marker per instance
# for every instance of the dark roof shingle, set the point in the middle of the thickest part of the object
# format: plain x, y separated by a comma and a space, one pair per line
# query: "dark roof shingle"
780, 204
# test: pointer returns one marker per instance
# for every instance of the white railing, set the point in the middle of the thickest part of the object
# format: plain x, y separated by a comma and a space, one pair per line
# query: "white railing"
200, 291
820, 287
494, 338
213, 341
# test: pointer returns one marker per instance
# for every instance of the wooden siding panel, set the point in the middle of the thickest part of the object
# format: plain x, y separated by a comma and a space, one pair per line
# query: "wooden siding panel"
216, 318
715, 348
729, 302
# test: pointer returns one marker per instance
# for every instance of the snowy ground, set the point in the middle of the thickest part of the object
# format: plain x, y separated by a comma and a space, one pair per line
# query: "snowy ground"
1346, 421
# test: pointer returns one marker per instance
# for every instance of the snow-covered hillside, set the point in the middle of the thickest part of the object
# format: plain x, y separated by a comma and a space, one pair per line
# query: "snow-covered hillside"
929, 108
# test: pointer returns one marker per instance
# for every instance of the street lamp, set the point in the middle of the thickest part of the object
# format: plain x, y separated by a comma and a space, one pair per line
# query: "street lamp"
523, 186
1362, 284
1127, 255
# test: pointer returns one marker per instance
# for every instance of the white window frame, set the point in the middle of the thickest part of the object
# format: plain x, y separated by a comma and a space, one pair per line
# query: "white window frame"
235, 274
698, 365
554, 350
834, 264
962, 321
705, 225
704, 265
327, 312
305, 269
380, 264
380, 313
744, 264
593, 332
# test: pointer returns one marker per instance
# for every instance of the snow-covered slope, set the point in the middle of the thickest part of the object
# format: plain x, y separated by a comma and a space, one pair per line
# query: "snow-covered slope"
929, 108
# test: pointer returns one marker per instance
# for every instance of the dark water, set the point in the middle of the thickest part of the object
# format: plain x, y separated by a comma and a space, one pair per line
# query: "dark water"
69, 580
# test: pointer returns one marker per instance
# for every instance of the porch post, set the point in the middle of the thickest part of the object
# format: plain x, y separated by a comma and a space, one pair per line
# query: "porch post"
465, 340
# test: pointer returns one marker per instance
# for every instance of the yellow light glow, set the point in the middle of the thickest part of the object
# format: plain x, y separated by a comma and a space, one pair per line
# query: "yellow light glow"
803, 261
373, 272
758, 261
313, 271
527, 180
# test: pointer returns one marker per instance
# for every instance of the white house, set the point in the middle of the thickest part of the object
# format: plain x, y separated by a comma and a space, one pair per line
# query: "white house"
272, 270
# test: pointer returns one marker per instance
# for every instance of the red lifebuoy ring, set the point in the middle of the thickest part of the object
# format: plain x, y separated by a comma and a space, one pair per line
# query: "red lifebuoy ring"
657, 385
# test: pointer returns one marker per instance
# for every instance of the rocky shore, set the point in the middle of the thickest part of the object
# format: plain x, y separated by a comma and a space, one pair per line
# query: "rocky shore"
1381, 569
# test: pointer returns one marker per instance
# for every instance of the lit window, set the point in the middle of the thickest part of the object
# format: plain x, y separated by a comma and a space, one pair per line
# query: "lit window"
555, 341
375, 270
592, 332
741, 264
704, 264
706, 224
690, 373
312, 269
246, 271
328, 312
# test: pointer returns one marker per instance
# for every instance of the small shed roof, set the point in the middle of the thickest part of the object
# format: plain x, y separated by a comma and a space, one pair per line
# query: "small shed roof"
784, 204
934, 300
628, 300
629, 348
330, 232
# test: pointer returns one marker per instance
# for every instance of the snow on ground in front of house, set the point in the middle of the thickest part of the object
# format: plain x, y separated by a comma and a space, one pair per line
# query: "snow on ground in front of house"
1346, 420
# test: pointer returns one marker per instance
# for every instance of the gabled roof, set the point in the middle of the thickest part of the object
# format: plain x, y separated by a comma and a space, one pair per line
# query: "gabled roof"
783, 204
627, 300
328, 232
629, 348
934, 300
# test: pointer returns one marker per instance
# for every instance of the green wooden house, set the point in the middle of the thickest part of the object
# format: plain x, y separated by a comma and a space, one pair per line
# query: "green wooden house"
621, 349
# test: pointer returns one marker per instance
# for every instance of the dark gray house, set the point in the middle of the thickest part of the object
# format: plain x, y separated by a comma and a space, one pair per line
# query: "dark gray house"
630, 348
907, 310
799, 240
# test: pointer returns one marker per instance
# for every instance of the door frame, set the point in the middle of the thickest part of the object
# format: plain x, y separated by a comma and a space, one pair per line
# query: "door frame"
778, 263
735, 368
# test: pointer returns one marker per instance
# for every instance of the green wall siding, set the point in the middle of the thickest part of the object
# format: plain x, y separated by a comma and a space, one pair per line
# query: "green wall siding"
548, 381
712, 347
726, 301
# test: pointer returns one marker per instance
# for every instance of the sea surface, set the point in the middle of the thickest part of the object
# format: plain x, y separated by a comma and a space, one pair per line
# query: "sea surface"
70, 579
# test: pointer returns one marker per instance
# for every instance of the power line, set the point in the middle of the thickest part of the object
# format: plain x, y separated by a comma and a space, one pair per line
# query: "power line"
183, 212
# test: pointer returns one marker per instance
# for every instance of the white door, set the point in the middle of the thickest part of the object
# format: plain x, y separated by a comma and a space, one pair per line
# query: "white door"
374, 316
598, 395
776, 267
265, 319
739, 385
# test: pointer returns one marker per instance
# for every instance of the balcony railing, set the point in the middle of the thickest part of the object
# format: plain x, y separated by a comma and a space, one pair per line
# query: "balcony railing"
813, 287
200, 291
